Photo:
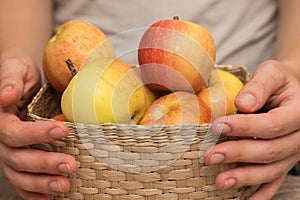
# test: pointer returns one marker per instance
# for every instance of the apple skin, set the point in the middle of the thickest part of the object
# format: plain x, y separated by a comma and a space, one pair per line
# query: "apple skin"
59, 117
106, 90
176, 50
220, 93
176, 108
77, 40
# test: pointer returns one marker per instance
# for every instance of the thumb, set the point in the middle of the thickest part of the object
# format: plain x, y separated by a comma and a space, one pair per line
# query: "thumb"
12, 74
266, 80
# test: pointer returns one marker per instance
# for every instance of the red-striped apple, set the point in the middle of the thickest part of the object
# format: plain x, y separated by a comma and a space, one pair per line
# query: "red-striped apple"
177, 108
77, 40
176, 55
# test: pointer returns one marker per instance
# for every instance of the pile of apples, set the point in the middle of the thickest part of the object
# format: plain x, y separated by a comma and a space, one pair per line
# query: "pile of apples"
175, 81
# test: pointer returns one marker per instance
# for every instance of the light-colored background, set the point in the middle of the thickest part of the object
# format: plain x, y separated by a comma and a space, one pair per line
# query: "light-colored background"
290, 190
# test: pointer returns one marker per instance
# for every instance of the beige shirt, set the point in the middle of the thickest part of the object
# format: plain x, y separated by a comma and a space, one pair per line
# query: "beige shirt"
244, 30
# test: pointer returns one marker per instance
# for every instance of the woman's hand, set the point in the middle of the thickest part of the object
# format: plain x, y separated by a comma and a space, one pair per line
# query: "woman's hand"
35, 174
271, 103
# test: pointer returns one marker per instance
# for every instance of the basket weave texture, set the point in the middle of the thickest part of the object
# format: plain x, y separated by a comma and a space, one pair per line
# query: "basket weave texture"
131, 162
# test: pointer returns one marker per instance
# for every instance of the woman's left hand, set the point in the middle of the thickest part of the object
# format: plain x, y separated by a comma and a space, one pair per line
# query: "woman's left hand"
276, 149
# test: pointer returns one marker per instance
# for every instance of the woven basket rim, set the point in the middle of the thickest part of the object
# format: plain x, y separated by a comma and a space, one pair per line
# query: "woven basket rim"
40, 93
71, 125
35, 99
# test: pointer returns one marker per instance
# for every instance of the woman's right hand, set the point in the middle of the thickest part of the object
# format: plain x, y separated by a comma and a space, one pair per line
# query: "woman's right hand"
35, 174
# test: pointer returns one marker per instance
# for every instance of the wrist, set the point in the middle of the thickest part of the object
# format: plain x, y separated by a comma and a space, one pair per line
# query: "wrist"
291, 66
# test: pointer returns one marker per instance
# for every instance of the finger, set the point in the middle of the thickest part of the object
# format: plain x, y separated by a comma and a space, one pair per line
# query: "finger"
266, 80
32, 195
12, 72
254, 151
17, 133
267, 190
37, 183
264, 125
255, 174
36, 161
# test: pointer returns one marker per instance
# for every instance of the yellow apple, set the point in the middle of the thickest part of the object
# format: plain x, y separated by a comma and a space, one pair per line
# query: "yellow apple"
178, 50
176, 108
220, 93
106, 90
77, 40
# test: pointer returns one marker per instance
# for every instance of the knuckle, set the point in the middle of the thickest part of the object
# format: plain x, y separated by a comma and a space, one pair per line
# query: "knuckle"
7, 135
272, 155
243, 126
6, 138
274, 127
238, 155
14, 161
49, 162
275, 174
275, 67
269, 65
45, 165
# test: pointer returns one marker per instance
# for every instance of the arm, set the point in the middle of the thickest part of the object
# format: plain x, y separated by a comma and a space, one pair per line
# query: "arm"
275, 86
288, 41
25, 26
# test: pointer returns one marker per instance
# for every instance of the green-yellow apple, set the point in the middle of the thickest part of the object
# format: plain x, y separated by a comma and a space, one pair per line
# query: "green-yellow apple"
77, 40
176, 108
220, 93
106, 90
176, 55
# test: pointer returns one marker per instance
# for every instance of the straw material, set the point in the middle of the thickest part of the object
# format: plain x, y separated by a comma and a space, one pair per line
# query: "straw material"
131, 162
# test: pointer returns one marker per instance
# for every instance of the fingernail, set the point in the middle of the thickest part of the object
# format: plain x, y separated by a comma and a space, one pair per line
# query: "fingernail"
56, 133
55, 186
248, 100
6, 89
229, 183
217, 158
219, 126
64, 168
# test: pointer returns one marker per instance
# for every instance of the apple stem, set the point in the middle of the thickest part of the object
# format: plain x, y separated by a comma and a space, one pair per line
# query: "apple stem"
175, 18
71, 67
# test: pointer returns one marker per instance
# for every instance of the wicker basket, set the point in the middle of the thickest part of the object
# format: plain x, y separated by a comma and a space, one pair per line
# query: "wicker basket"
131, 162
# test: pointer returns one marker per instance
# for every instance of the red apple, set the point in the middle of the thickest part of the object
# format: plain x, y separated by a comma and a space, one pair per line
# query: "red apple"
176, 55
176, 108
59, 117
79, 41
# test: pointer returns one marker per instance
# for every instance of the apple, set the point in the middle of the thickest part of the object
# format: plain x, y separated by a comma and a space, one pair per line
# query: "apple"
77, 40
220, 93
106, 90
176, 55
59, 117
176, 108
151, 96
